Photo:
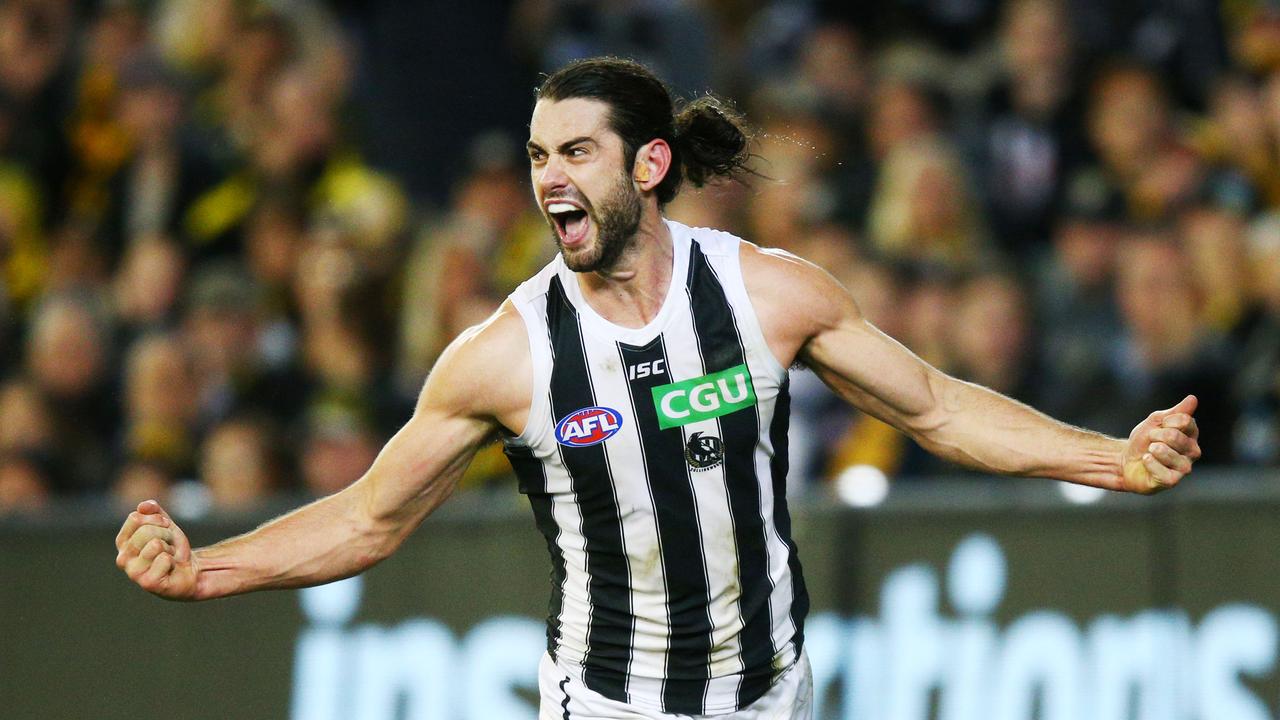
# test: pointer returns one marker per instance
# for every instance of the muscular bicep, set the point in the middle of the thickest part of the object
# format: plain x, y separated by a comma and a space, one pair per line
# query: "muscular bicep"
420, 466
809, 317
875, 373
479, 384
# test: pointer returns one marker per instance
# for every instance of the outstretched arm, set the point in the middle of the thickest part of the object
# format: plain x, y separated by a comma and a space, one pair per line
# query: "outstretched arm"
959, 421
460, 407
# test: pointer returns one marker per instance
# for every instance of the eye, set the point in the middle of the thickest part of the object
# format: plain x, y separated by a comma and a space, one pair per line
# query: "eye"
577, 151
537, 156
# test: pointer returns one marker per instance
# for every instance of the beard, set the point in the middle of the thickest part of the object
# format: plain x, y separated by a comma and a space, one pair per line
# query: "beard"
616, 219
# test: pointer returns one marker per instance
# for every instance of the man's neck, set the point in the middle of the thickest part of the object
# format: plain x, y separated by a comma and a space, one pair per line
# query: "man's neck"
631, 293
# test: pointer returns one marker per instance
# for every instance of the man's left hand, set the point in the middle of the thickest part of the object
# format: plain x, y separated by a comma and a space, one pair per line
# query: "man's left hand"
1161, 449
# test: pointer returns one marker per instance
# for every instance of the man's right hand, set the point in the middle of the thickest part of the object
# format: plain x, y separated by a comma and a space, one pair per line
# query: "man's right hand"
155, 553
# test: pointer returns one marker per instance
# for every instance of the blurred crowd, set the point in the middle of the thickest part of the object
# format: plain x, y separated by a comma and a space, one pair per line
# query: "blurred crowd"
209, 294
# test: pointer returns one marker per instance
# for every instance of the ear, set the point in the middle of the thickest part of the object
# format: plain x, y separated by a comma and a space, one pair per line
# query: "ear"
653, 162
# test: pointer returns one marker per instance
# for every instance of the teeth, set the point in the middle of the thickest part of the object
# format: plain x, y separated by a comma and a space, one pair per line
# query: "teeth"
561, 207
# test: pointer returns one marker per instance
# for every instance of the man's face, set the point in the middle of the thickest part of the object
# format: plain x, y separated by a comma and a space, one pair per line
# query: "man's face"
581, 182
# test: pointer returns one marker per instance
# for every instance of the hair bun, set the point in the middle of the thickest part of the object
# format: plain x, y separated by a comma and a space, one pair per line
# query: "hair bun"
713, 140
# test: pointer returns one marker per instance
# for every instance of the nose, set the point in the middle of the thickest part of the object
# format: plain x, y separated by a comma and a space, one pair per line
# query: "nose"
551, 177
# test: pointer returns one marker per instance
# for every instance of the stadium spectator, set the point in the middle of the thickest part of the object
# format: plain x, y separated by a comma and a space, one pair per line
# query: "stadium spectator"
236, 464
221, 327
99, 143
1166, 348
1031, 135
160, 403
814, 114
1257, 381
835, 66
26, 424
1131, 127
29, 451
288, 142
76, 264
25, 485
902, 112
240, 51
166, 169
186, 178
991, 335
274, 237
148, 285
465, 262
1213, 238
327, 275
1240, 147
673, 36
23, 253
338, 449
1271, 103
782, 212
35, 38
341, 363
924, 209
68, 357
831, 246
1075, 303
140, 480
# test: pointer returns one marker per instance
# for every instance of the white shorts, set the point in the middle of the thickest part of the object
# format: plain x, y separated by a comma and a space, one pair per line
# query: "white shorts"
564, 697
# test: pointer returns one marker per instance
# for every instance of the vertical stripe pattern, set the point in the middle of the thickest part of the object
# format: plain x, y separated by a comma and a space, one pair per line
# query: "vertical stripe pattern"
675, 584
782, 518
688, 595
532, 478
609, 640
721, 347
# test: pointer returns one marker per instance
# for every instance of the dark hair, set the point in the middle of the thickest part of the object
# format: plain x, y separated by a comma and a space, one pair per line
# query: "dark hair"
708, 138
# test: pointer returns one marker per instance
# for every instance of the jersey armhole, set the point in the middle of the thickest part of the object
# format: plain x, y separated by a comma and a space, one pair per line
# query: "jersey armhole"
540, 357
751, 321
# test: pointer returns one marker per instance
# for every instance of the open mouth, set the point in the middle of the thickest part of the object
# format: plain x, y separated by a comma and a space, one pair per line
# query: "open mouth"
571, 221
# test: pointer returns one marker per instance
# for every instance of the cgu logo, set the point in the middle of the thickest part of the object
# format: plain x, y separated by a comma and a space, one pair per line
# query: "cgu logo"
588, 426
704, 398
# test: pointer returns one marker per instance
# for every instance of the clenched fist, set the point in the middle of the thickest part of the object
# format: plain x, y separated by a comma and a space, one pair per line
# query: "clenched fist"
155, 554
1162, 448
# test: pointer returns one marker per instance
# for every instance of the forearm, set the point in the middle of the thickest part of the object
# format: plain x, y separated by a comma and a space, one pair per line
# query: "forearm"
350, 531
959, 421
978, 428
325, 540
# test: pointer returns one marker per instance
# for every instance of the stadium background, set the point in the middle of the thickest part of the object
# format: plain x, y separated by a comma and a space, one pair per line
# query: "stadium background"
234, 236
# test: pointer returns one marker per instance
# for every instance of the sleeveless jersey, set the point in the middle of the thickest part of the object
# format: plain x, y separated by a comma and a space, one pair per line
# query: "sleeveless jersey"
655, 460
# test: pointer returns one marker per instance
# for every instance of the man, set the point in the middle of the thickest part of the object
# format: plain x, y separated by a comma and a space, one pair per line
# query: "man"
640, 384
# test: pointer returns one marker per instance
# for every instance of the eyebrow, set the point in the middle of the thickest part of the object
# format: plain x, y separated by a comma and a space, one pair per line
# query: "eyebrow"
564, 146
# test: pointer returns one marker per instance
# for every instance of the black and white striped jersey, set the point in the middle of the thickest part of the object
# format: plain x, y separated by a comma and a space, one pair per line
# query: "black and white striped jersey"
655, 460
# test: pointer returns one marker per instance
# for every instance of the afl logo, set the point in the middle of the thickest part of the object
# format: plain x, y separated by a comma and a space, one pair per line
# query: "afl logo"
588, 426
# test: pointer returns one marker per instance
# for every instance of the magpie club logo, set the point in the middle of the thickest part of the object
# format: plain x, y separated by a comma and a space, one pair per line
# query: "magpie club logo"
703, 452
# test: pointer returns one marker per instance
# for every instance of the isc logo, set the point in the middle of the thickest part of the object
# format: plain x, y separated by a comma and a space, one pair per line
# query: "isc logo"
645, 369
588, 426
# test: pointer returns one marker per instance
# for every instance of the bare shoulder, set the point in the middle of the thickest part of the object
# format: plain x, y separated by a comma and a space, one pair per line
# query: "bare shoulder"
794, 299
486, 372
